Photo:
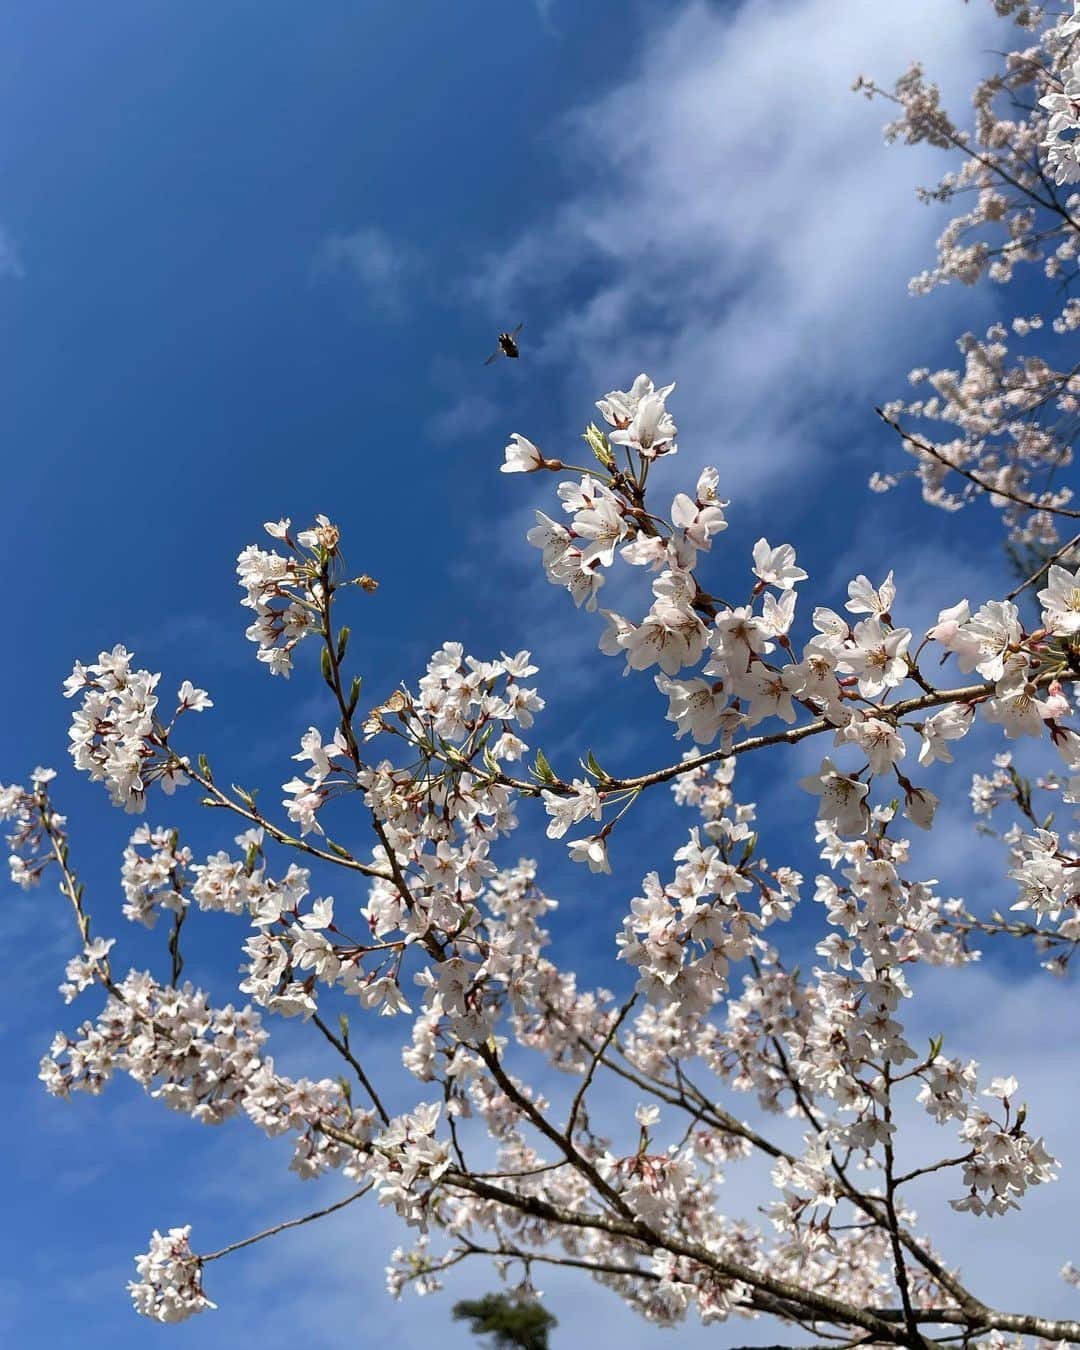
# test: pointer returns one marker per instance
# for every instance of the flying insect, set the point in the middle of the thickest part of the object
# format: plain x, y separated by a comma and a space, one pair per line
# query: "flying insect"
507, 346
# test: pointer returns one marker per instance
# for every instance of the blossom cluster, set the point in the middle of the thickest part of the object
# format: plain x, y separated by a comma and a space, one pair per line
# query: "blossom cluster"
117, 737
1003, 424
450, 935
169, 1287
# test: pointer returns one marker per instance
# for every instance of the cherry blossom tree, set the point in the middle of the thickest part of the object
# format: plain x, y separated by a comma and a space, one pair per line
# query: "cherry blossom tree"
434, 924
1004, 422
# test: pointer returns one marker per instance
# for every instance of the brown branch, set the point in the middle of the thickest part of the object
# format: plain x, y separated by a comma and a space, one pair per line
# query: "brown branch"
924, 447
346, 1054
222, 799
289, 1223
579, 1096
1035, 576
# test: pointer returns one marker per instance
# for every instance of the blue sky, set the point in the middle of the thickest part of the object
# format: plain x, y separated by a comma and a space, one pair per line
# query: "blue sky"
253, 257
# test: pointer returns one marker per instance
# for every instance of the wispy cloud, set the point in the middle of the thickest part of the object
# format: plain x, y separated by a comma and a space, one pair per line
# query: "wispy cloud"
379, 266
545, 13
469, 416
11, 264
742, 227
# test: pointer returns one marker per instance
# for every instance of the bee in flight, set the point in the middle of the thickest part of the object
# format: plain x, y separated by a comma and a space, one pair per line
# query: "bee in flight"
507, 346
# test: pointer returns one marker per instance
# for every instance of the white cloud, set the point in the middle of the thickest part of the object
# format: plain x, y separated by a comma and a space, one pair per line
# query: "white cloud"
737, 223
380, 266
469, 416
10, 259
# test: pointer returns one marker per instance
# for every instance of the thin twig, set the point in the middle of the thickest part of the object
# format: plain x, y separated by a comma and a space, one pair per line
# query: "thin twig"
344, 1051
289, 1223
926, 448
1065, 548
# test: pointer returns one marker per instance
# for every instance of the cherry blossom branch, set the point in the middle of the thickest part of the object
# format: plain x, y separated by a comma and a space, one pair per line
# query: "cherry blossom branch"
971, 693
587, 1077
943, 129
561, 1141
341, 1046
1036, 576
935, 1167
924, 447
893, 1223
282, 1227
867, 1204
637, 1230
813, 1301
573, 1263
255, 817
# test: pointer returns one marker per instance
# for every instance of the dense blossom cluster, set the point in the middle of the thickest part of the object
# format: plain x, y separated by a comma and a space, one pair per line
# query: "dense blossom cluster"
196, 1058
1004, 422
169, 1287
117, 736
442, 915
468, 933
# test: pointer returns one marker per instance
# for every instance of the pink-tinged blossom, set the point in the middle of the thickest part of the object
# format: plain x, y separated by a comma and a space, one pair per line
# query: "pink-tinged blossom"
651, 430
877, 656
592, 851
842, 799
619, 409
865, 598
771, 693
695, 706
565, 811
169, 1287
190, 699
920, 806
702, 516
881, 743
522, 456
1060, 600
776, 566
950, 724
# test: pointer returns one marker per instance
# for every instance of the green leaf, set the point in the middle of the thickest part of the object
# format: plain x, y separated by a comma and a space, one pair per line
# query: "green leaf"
354, 694
598, 443
342, 644
204, 768
327, 668
542, 769
590, 765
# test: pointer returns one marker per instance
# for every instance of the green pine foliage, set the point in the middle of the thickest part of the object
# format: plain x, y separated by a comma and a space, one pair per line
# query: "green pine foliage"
514, 1323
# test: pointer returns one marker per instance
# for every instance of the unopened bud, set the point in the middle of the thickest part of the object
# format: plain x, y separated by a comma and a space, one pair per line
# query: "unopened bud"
597, 442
